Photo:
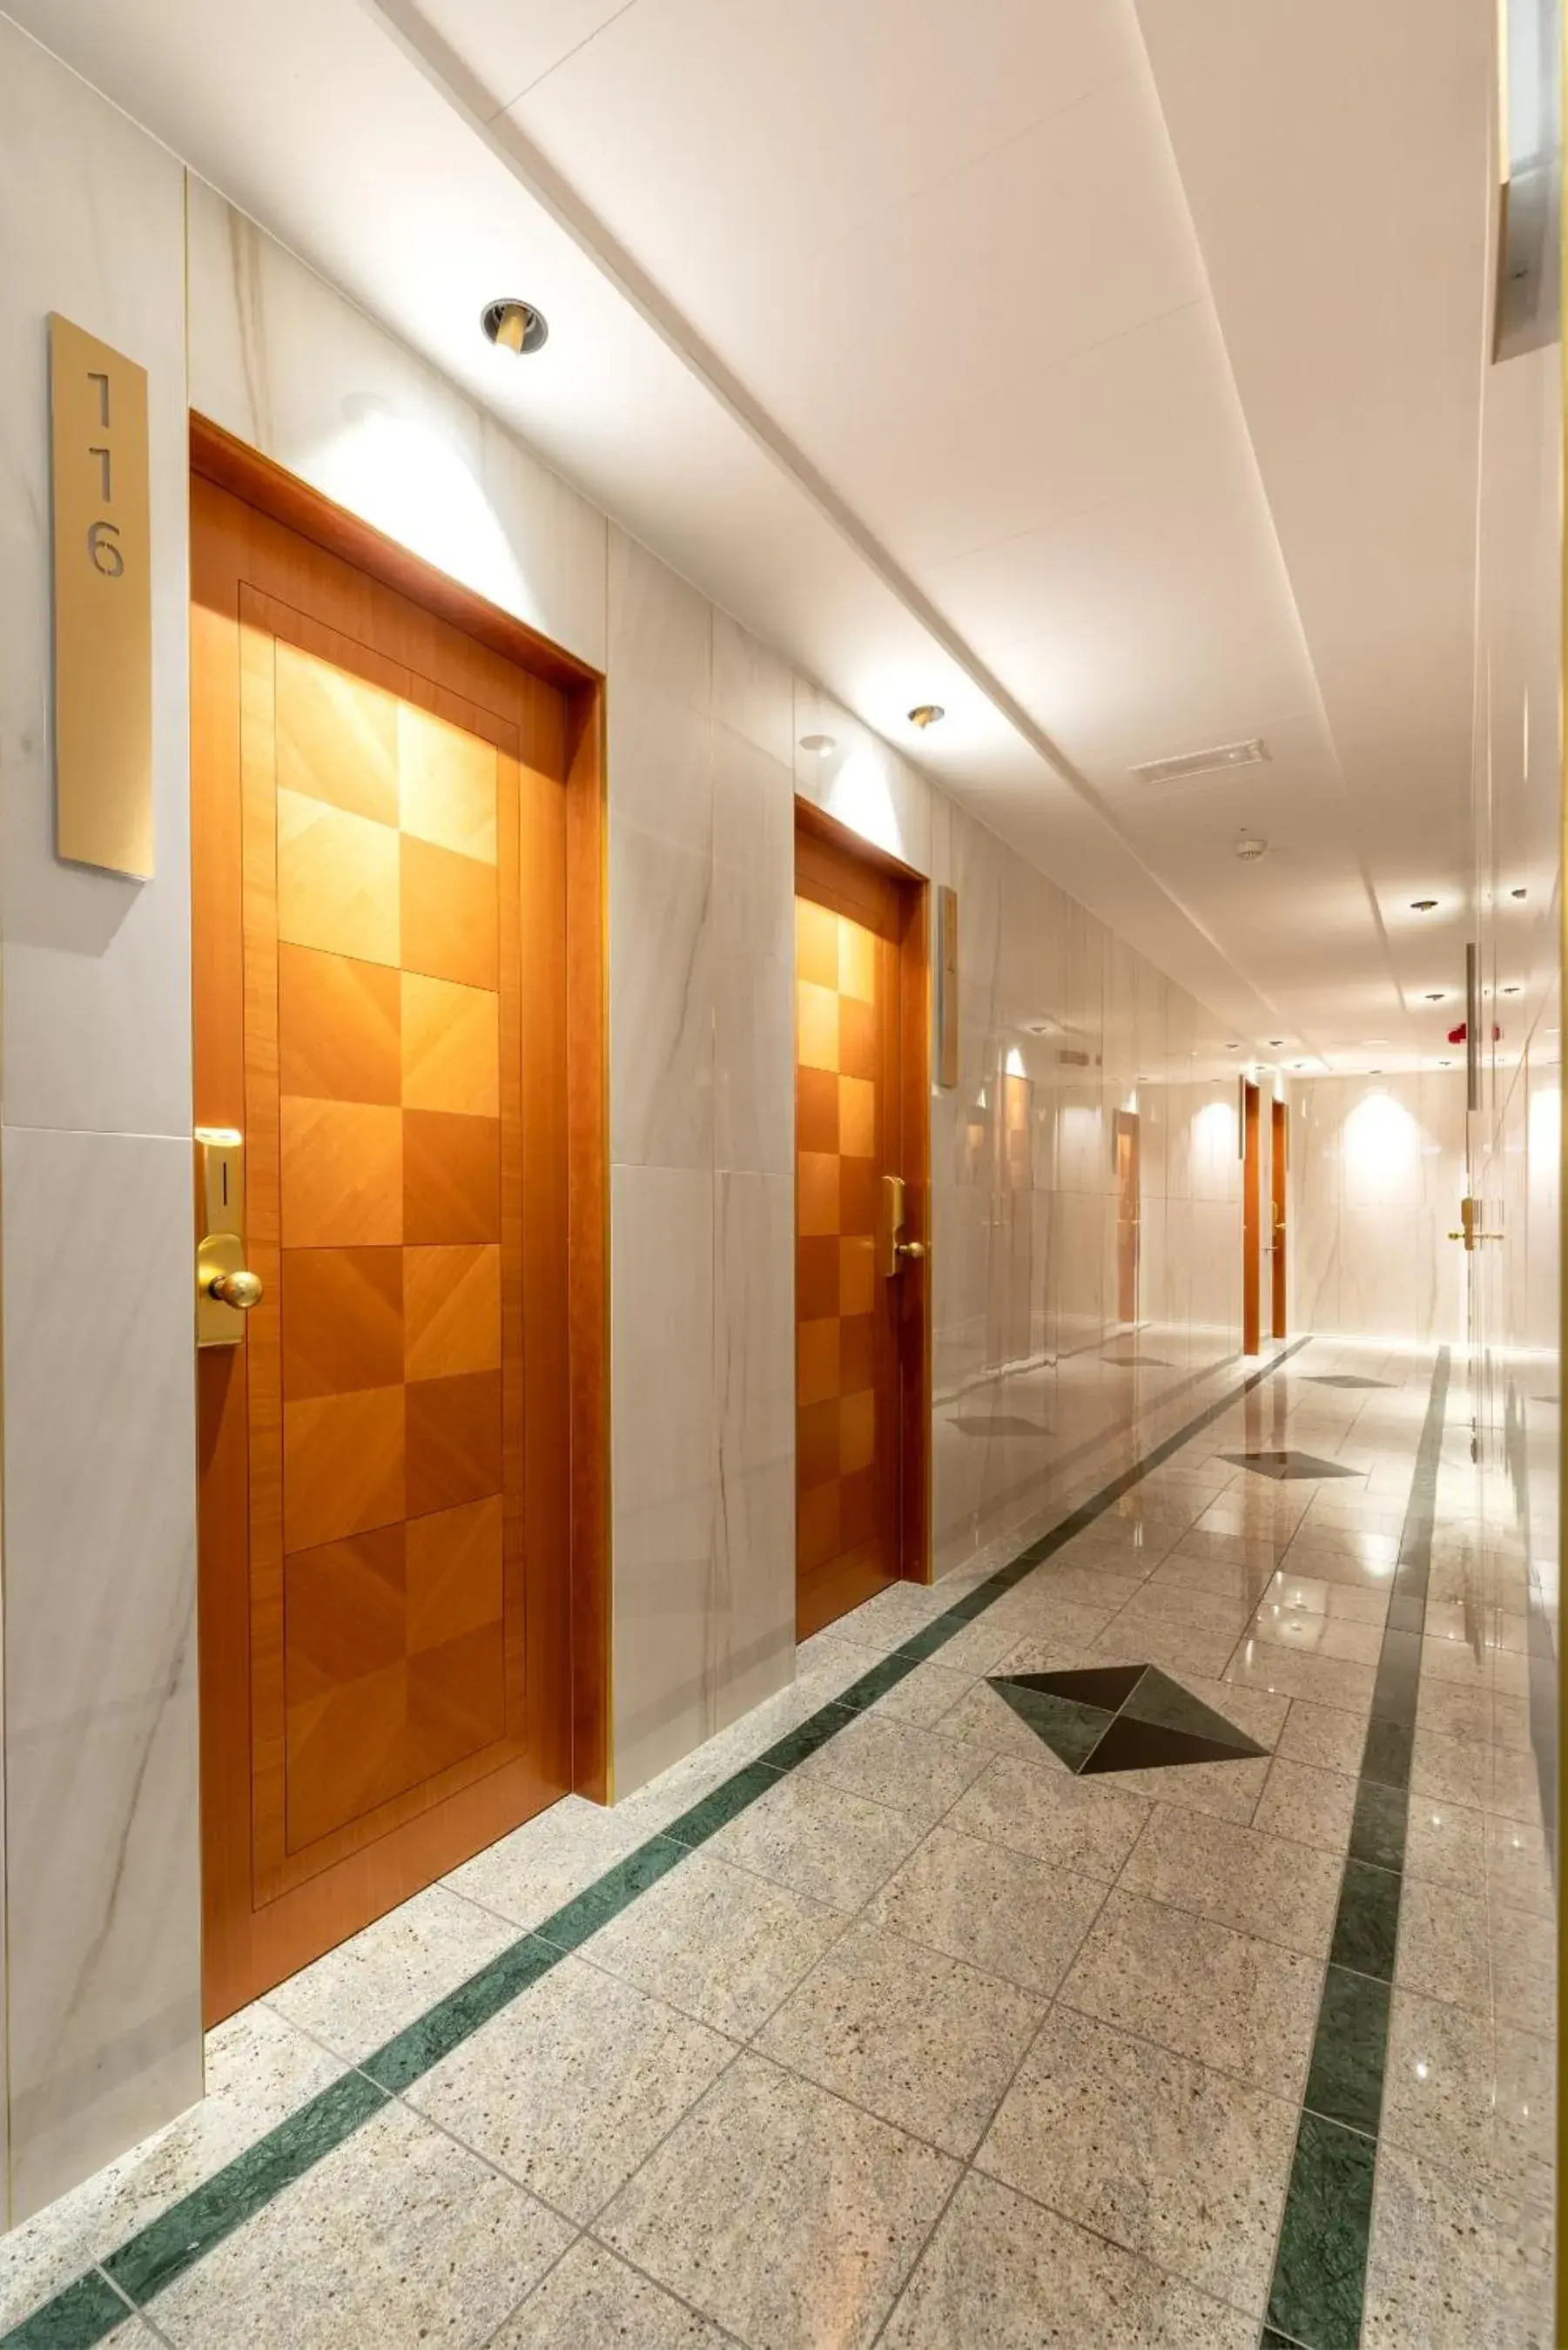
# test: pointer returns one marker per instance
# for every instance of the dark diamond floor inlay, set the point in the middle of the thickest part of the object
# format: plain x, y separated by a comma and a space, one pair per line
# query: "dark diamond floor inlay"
1122, 1718
1283, 1466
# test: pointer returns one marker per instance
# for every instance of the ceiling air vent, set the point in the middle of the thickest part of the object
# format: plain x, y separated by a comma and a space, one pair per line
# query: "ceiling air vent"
1203, 762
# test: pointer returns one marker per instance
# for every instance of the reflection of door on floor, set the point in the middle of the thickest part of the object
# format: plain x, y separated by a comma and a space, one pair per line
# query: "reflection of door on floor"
379, 850
860, 1079
1129, 1214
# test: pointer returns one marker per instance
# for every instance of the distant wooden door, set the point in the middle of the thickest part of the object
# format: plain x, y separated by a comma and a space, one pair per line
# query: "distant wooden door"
862, 1424
379, 869
1279, 1163
1129, 1214
1252, 1219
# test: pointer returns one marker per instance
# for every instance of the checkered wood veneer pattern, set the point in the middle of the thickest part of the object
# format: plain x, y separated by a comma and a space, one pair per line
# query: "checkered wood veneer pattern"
389, 1222
838, 1128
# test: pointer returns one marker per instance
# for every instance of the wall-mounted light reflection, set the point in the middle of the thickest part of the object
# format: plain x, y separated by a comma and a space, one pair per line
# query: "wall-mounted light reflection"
858, 796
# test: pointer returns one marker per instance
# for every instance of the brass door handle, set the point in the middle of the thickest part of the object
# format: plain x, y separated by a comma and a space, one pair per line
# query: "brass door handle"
241, 1289
1473, 1238
914, 1249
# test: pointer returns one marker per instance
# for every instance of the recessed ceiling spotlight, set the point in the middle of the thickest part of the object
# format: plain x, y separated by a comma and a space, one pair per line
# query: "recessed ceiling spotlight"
1434, 995
1275, 1040
1445, 1065
1512, 990
926, 713
1248, 847
514, 326
824, 745
1298, 1065
1423, 905
1232, 1048
1519, 893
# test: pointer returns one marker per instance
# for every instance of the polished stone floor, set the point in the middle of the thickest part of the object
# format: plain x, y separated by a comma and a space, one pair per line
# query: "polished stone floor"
952, 2002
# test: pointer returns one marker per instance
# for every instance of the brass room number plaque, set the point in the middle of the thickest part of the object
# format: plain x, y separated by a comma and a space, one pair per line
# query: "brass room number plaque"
103, 604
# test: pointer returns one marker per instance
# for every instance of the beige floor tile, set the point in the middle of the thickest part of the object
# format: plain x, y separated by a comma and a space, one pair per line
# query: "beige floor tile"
1433, 2275
921, 2040
568, 2088
717, 1942
1309, 1806
1446, 1842
1519, 1871
1316, 1594
1178, 1648
1236, 1877
1310, 1634
819, 1840
399, 2238
1148, 2149
1048, 2285
999, 1911
540, 1867
1324, 1680
1240, 2005
1323, 1737
784, 2214
360, 1994
1041, 1809
1224, 1791
1440, 2085
591, 2301
1524, 1964
895, 1763
1442, 1950
924, 1696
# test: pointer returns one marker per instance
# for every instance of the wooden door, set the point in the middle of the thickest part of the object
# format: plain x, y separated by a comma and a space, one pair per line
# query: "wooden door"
1251, 1217
379, 865
1129, 1209
862, 1384
1279, 1160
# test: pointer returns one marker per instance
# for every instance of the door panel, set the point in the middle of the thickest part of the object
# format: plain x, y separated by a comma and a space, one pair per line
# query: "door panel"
380, 854
857, 1340
1279, 1162
1130, 1213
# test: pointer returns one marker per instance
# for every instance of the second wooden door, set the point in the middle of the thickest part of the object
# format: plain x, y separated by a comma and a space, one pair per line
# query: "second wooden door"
861, 1230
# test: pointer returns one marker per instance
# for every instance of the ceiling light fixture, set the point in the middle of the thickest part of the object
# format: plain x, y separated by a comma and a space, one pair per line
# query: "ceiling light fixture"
926, 713
1248, 847
824, 745
1232, 1048
1273, 1041
1512, 990
513, 325
1434, 995
1423, 905
1519, 893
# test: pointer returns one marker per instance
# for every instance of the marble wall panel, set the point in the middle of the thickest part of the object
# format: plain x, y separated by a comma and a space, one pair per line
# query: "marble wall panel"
279, 359
102, 2023
1377, 1172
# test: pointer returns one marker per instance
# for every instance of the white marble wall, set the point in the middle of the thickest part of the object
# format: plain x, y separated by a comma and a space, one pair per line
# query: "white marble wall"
1378, 1173
102, 1940
702, 1140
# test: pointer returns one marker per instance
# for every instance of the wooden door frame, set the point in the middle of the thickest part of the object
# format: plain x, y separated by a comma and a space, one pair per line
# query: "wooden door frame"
218, 458
1252, 1218
813, 823
1279, 1164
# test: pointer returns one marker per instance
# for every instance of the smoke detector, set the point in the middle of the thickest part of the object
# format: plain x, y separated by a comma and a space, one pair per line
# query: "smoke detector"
1248, 847
1202, 763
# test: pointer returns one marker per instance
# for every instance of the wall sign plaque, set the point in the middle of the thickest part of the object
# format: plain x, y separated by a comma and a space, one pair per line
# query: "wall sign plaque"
103, 604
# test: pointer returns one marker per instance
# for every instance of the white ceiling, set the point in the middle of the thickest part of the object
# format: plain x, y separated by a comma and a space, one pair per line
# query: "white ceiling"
1111, 375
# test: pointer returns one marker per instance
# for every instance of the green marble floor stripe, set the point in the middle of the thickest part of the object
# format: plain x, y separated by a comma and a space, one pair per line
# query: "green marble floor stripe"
1319, 2265
86, 2310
